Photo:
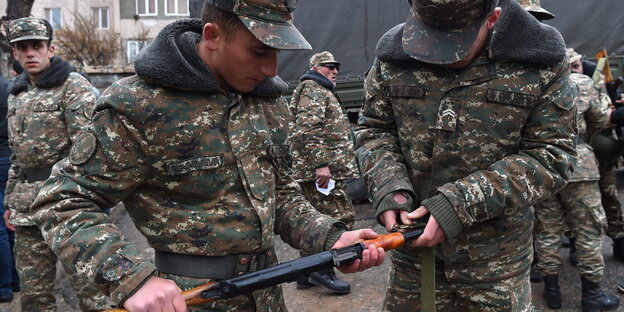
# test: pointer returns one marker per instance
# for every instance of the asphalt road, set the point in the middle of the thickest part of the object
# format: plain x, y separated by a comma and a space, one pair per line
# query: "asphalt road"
368, 287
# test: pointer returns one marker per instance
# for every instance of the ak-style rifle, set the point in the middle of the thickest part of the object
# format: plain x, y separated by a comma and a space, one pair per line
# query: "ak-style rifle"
289, 271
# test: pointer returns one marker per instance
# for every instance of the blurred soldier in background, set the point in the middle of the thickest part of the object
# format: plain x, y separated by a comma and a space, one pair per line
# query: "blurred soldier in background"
49, 104
578, 205
322, 148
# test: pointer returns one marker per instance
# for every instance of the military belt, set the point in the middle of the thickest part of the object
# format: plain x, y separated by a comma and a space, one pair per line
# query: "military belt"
34, 174
210, 267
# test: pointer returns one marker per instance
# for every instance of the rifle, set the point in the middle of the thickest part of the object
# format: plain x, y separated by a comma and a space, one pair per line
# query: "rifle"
289, 271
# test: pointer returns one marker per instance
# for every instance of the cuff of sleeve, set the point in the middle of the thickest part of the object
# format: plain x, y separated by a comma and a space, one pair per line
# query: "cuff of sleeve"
442, 210
333, 235
388, 203
321, 164
132, 282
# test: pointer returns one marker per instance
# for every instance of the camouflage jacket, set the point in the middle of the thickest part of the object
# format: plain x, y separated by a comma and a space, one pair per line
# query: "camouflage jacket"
490, 139
43, 121
592, 116
320, 132
199, 170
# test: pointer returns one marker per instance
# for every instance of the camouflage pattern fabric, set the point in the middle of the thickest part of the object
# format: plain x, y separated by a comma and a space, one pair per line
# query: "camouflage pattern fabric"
199, 173
28, 28
403, 293
42, 124
578, 204
492, 138
36, 264
610, 201
592, 116
270, 21
336, 205
320, 134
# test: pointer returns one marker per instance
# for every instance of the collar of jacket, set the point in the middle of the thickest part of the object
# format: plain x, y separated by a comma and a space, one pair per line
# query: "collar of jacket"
318, 77
54, 76
172, 60
517, 37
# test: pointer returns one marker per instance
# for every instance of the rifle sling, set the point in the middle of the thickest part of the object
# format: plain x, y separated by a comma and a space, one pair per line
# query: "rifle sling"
211, 267
427, 283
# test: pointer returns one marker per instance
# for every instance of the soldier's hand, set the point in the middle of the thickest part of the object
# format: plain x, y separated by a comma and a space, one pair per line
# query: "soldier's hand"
157, 294
372, 256
433, 234
322, 176
391, 217
6, 216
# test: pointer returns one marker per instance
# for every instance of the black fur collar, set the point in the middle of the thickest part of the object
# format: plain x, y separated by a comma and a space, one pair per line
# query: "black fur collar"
318, 77
517, 37
172, 60
53, 76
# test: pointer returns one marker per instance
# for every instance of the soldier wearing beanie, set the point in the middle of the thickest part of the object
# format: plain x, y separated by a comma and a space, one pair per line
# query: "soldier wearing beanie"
49, 104
322, 149
467, 122
196, 146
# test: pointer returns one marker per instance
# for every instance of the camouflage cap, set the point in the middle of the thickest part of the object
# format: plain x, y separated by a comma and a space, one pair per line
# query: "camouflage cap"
443, 31
28, 28
572, 55
271, 21
533, 6
324, 57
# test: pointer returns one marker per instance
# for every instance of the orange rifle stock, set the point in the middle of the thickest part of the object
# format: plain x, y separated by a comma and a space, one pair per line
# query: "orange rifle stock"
288, 271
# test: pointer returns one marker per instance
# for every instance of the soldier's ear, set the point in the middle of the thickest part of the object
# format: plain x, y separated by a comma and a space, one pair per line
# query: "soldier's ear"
211, 35
492, 18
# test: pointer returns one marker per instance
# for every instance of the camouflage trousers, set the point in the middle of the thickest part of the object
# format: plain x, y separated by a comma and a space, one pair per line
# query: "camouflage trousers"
610, 202
578, 205
403, 291
36, 265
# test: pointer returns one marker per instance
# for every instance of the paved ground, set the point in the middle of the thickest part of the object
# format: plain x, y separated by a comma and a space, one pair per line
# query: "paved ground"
368, 288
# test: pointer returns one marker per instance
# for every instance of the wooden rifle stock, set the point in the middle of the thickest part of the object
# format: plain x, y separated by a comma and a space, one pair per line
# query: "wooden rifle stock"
388, 241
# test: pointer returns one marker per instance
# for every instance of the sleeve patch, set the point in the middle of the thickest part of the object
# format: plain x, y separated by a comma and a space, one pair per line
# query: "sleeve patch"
83, 149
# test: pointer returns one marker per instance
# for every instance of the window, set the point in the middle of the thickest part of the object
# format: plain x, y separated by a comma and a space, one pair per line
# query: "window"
177, 7
100, 17
133, 48
146, 7
53, 15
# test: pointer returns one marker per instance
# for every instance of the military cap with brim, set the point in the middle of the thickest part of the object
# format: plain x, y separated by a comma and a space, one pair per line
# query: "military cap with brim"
28, 28
270, 21
443, 31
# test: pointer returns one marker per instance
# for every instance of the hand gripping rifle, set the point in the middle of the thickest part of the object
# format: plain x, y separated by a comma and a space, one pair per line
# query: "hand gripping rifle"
289, 271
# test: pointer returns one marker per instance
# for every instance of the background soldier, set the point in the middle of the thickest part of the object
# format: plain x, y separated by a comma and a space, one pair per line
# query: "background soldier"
472, 120
48, 105
322, 148
579, 205
196, 147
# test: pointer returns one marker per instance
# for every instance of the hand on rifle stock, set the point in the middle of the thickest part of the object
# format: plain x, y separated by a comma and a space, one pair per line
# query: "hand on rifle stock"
372, 256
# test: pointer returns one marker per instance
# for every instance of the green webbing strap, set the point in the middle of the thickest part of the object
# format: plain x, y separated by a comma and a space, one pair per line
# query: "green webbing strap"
427, 283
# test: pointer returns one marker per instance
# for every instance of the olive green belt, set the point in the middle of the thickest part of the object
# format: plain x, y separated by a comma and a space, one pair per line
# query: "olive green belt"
34, 174
210, 267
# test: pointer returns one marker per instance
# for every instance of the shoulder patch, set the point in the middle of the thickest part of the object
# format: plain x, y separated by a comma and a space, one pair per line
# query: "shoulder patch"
83, 149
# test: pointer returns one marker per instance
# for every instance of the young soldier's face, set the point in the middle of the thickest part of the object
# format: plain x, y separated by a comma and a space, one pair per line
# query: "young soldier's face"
243, 61
33, 55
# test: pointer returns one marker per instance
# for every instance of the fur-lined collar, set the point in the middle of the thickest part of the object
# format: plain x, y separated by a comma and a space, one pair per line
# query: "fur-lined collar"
172, 60
53, 76
517, 37
319, 78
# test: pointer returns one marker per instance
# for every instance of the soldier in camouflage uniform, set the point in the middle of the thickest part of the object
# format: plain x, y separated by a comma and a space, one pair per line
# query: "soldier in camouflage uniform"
469, 120
322, 149
578, 205
196, 146
49, 103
